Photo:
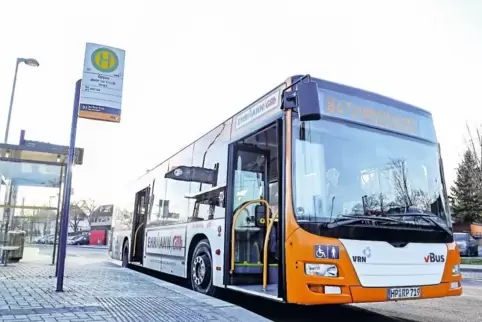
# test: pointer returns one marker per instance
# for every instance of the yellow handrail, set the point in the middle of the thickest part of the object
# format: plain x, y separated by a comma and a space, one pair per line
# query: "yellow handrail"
235, 218
265, 251
135, 240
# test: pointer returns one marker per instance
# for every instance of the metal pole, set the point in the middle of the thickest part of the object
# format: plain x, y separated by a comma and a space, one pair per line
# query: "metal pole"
60, 219
7, 129
7, 222
58, 214
67, 187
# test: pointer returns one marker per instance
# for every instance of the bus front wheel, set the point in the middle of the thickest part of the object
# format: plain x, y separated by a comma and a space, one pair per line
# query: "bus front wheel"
201, 269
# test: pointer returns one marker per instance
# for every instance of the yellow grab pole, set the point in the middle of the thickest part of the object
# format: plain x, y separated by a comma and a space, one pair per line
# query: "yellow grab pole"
235, 218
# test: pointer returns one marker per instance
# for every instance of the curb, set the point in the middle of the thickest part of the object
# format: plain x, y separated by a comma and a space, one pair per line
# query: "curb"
232, 309
92, 246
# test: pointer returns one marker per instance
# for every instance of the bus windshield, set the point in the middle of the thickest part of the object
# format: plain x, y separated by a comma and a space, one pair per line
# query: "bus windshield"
342, 170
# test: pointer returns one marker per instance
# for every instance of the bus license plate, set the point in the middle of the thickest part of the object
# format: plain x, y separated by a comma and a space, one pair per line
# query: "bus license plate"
399, 293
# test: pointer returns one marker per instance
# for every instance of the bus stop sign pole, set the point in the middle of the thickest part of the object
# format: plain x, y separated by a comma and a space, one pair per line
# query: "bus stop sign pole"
67, 187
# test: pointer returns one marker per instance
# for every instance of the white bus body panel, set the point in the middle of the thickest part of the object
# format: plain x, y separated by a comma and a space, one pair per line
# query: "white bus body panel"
167, 247
118, 238
379, 264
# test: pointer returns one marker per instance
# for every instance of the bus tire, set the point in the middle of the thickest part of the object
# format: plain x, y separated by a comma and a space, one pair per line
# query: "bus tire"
201, 269
125, 255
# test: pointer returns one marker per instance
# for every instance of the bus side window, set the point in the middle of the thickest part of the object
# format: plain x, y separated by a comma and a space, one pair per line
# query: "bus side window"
209, 206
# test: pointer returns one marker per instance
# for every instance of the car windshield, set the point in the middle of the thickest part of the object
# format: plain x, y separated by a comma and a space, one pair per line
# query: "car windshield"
344, 169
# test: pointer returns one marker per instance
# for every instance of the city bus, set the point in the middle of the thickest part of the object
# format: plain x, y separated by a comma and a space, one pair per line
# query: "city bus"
316, 193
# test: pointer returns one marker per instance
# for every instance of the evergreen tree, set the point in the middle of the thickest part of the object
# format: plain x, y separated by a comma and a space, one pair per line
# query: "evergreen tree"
466, 196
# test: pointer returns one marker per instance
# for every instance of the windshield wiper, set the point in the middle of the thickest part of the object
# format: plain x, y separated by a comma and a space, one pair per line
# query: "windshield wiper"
350, 219
427, 217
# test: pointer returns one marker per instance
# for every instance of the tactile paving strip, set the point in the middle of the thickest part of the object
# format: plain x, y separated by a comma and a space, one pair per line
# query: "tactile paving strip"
149, 309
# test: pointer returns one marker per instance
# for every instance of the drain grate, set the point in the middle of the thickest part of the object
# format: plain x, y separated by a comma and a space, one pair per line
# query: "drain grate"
149, 309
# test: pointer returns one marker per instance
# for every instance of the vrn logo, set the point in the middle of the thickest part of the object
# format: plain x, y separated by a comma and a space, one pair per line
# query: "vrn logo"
359, 259
432, 258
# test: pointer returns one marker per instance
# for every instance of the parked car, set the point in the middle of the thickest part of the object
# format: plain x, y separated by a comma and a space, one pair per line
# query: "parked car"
71, 239
81, 240
39, 240
467, 244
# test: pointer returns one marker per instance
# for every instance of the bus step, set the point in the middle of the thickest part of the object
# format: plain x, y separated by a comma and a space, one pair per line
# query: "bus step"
246, 279
248, 268
252, 268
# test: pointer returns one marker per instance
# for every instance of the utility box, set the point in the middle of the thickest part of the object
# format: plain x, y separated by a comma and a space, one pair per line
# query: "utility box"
16, 238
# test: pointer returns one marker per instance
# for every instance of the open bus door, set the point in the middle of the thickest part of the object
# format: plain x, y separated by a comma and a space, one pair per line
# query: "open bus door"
252, 200
139, 221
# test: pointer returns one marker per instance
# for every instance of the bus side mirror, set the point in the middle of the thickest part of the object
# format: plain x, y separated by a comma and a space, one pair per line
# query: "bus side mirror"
260, 215
305, 98
308, 101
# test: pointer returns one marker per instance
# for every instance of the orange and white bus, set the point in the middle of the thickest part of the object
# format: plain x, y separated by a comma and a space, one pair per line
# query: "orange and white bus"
316, 193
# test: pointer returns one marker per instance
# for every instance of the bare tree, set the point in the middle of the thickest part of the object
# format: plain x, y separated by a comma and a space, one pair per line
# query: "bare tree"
475, 145
400, 181
88, 206
124, 216
76, 215
406, 194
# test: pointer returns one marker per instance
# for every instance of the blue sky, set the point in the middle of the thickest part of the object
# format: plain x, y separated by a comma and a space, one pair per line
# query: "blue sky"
192, 64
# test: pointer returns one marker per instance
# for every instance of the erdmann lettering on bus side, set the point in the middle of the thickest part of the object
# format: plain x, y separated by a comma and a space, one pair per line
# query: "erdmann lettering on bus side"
170, 242
259, 109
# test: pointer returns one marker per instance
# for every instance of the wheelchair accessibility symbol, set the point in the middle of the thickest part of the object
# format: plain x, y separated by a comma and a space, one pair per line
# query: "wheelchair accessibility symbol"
327, 251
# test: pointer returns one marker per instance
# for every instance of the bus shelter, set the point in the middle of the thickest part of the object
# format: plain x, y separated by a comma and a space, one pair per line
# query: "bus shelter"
31, 186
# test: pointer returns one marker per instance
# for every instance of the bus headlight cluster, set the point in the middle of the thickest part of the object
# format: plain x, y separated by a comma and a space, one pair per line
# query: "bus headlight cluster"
321, 270
456, 269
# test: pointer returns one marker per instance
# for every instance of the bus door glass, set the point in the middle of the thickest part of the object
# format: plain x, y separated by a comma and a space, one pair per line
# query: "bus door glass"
249, 184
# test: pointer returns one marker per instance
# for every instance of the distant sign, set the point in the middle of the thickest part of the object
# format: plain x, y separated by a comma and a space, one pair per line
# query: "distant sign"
102, 82
102, 216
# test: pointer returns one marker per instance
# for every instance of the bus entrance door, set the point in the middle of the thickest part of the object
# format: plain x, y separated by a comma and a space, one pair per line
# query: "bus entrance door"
139, 221
249, 182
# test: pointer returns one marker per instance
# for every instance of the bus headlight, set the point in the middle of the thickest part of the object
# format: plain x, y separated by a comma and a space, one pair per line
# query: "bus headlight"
321, 270
456, 269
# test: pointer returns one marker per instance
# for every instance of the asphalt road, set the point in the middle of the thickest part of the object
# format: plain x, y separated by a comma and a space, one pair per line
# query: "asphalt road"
467, 307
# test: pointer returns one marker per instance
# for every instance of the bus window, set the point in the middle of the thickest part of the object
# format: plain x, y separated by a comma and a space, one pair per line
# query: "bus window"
248, 185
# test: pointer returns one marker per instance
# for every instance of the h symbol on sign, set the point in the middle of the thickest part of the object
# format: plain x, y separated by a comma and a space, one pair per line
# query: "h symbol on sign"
104, 58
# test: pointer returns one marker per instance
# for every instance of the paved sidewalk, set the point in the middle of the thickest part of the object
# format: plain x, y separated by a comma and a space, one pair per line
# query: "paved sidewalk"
99, 290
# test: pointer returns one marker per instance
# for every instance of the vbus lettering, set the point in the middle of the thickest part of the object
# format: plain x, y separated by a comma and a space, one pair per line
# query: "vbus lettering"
432, 258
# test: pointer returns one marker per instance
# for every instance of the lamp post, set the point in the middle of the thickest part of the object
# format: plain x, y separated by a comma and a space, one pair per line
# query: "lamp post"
29, 62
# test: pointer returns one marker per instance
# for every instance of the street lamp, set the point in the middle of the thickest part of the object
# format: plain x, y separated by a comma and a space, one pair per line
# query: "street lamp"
29, 62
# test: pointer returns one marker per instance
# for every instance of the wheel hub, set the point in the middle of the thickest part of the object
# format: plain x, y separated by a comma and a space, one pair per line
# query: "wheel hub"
199, 270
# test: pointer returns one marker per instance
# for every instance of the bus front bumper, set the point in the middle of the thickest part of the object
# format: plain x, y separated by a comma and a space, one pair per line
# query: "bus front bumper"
336, 294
